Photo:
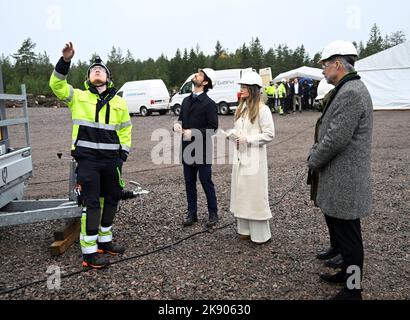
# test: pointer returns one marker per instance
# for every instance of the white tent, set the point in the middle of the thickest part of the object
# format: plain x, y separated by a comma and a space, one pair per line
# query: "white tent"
302, 72
387, 76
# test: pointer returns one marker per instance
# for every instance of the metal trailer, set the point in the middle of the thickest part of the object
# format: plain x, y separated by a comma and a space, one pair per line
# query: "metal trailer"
16, 169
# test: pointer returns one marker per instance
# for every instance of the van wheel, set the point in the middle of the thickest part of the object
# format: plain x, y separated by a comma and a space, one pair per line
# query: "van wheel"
177, 109
163, 112
144, 111
224, 109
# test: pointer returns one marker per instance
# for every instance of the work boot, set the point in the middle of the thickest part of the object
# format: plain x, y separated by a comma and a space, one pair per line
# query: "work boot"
95, 261
335, 262
190, 220
110, 248
213, 220
338, 278
327, 254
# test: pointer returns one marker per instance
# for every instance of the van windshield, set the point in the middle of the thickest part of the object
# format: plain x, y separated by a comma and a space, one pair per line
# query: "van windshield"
187, 88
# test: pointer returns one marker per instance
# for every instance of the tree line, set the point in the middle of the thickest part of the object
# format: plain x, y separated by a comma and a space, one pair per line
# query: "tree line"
33, 69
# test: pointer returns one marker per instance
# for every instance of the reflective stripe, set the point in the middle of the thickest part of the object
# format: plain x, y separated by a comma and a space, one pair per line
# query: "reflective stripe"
89, 250
111, 127
124, 147
95, 125
88, 238
70, 96
105, 239
98, 146
105, 230
59, 75
124, 125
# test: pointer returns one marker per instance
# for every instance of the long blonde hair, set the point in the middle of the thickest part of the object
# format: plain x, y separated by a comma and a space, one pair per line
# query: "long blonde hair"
253, 103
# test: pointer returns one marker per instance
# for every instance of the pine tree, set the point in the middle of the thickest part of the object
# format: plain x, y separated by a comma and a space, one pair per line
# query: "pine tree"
25, 56
375, 43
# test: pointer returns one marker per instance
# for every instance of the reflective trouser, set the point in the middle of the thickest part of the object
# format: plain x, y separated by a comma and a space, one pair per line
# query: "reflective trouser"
271, 103
101, 187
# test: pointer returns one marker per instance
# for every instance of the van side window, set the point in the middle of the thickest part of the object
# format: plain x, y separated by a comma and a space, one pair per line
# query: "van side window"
119, 93
187, 88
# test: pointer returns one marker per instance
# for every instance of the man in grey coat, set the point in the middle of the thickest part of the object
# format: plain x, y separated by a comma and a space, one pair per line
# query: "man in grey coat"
340, 163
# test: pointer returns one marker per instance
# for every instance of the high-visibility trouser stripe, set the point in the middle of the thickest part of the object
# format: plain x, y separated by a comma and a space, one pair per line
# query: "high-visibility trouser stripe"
105, 235
88, 238
105, 239
98, 146
89, 250
126, 148
88, 243
59, 75
70, 96
105, 230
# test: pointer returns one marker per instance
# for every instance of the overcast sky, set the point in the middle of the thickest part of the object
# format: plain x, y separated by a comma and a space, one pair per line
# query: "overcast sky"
150, 28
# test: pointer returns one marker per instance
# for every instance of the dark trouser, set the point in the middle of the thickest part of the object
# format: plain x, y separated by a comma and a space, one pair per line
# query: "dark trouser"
271, 103
305, 102
348, 235
332, 236
205, 176
289, 103
99, 180
282, 103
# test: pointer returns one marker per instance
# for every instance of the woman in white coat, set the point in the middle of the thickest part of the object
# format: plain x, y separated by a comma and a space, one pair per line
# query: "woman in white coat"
253, 129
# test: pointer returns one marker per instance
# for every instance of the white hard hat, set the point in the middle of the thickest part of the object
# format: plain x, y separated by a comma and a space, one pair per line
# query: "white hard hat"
211, 74
323, 89
338, 48
251, 78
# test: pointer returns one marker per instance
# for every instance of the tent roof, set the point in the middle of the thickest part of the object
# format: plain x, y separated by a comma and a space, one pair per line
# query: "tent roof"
386, 74
302, 72
396, 57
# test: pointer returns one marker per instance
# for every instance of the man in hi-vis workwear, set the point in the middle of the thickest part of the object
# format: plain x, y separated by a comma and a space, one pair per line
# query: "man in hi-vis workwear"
101, 142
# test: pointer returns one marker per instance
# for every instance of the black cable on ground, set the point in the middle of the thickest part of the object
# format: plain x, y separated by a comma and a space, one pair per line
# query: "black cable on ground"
71, 274
296, 182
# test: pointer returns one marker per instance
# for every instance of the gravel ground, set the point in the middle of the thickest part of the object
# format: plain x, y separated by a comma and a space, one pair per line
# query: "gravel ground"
213, 265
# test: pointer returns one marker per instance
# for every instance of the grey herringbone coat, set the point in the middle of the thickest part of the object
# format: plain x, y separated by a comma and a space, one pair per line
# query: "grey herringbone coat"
342, 155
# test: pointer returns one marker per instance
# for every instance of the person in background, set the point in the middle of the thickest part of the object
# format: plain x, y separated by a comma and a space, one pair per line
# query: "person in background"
271, 92
297, 95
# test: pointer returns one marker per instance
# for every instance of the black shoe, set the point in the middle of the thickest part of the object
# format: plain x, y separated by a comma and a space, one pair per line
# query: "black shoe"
213, 220
338, 278
327, 254
346, 294
110, 248
335, 262
190, 220
95, 261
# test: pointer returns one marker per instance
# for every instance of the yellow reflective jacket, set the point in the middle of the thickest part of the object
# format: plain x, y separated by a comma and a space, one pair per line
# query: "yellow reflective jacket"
97, 134
282, 91
271, 90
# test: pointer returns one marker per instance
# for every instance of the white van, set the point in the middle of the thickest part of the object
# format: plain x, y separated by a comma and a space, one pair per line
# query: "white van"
225, 93
145, 96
